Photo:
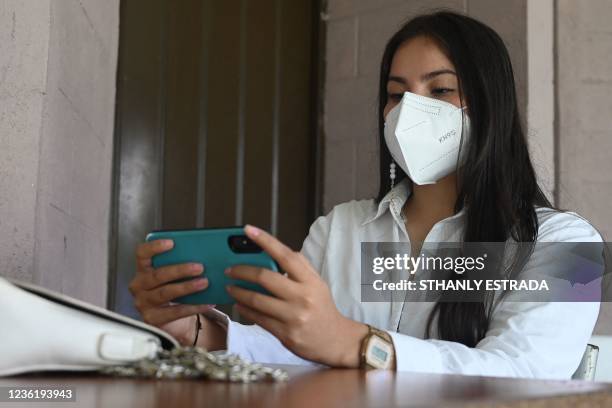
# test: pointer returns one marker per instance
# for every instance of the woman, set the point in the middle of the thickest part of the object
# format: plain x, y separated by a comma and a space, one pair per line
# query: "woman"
489, 194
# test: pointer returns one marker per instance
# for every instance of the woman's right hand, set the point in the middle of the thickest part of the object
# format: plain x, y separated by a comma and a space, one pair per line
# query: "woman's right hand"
154, 289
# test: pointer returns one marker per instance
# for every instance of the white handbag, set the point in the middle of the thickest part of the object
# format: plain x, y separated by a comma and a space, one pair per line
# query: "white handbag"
42, 330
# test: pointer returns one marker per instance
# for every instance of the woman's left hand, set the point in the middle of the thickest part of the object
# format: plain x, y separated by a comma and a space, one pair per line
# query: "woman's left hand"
302, 313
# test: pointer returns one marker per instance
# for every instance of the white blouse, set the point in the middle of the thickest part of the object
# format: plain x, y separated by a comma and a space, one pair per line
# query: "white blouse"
524, 339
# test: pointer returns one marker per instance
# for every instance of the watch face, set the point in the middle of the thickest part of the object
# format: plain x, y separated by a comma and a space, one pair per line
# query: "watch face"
378, 352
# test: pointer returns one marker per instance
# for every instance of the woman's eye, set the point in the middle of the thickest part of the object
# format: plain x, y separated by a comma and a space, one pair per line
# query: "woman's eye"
395, 96
440, 91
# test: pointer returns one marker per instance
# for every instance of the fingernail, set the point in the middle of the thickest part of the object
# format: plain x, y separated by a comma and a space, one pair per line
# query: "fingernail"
251, 230
227, 271
195, 267
228, 288
200, 283
167, 243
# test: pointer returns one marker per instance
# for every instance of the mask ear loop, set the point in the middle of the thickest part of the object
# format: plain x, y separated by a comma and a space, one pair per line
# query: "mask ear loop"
463, 130
392, 173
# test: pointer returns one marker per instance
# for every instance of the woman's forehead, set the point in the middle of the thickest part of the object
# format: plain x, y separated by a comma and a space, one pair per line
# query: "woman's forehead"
419, 56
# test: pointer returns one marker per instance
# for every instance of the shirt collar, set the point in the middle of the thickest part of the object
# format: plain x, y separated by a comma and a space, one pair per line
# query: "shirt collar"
394, 201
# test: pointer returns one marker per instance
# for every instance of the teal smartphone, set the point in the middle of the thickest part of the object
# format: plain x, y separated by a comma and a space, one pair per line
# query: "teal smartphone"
216, 249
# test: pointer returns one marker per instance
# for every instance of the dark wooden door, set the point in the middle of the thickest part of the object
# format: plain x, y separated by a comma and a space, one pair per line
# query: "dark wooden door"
216, 122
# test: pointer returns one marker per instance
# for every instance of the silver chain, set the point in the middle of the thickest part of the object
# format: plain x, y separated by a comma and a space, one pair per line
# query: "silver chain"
196, 362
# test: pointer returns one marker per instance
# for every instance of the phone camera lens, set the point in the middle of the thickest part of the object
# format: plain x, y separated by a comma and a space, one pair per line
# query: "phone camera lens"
242, 244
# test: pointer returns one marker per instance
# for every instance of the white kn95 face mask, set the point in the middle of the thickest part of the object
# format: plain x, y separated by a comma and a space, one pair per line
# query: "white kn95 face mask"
423, 135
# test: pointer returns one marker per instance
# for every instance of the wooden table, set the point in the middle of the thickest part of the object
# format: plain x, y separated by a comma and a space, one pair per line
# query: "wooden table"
308, 387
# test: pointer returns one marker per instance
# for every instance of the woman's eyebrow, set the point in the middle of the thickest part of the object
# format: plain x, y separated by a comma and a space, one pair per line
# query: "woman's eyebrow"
397, 79
433, 74
425, 77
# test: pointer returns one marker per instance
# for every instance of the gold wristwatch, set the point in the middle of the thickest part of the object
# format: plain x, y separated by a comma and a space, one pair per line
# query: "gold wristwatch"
377, 350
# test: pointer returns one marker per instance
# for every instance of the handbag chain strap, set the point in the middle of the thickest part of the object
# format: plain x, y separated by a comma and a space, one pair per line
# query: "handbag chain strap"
196, 362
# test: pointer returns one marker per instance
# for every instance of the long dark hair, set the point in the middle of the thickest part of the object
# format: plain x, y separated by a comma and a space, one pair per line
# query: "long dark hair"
500, 188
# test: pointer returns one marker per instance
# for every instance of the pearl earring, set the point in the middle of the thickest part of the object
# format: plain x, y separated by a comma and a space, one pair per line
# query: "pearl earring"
392, 173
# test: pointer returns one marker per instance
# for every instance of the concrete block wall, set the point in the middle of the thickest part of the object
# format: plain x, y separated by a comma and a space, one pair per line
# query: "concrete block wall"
584, 144
357, 32
584, 64
62, 188
24, 41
